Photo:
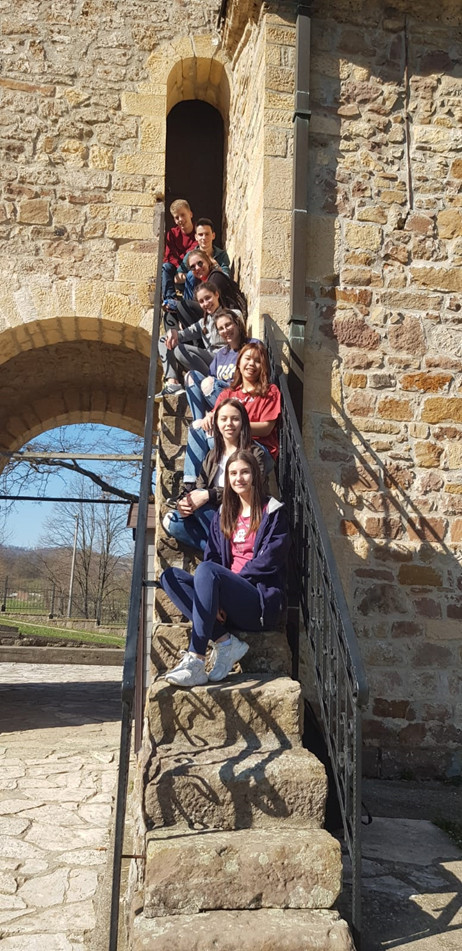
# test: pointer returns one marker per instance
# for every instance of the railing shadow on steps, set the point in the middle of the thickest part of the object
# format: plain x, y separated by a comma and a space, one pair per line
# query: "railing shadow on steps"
132, 677
317, 603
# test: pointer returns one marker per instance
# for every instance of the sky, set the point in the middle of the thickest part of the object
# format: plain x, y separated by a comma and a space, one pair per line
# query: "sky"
25, 524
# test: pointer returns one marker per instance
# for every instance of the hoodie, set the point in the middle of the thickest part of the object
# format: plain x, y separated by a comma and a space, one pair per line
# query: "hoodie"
267, 570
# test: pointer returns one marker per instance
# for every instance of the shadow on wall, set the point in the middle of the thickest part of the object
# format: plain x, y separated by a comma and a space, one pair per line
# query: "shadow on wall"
383, 471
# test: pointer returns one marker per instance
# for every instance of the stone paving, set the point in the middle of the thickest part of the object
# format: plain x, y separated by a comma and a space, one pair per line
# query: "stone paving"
59, 740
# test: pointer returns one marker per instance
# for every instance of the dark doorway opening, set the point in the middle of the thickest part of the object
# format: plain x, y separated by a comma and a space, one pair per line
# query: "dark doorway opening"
194, 161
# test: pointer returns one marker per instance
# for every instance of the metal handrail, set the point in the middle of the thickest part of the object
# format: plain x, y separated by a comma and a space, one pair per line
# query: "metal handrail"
320, 600
134, 608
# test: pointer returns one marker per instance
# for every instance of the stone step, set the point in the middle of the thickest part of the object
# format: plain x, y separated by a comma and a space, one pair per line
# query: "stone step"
271, 929
268, 651
173, 435
188, 872
234, 788
264, 712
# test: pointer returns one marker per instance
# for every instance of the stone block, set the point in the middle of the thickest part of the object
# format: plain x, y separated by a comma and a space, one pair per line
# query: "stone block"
258, 930
189, 872
265, 712
134, 266
101, 157
238, 789
438, 278
142, 163
442, 409
136, 104
34, 211
268, 650
133, 231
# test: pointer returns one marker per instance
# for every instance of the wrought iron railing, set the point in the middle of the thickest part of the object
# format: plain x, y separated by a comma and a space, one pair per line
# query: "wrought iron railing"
135, 640
321, 605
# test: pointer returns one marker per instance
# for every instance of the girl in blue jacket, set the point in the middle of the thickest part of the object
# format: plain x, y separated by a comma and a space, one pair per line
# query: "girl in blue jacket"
240, 583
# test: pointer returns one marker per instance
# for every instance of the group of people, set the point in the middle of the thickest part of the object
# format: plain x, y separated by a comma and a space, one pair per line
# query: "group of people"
222, 508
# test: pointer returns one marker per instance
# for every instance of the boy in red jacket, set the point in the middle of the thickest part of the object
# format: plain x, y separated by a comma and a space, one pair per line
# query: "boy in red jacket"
179, 240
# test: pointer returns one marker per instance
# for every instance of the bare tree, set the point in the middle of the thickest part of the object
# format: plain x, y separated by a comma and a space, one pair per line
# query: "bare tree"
19, 476
102, 542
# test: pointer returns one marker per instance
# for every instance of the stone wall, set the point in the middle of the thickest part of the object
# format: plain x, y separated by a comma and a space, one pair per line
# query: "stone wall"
383, 406
86, 88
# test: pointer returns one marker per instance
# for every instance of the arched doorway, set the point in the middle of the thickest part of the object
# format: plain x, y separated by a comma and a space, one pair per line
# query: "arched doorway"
194, 160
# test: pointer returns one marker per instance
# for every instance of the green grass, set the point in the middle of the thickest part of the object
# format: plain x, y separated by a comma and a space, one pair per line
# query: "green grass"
57, 633
452, 828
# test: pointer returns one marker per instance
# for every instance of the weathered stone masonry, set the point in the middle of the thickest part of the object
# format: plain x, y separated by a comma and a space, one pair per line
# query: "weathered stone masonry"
383, 407
86, 88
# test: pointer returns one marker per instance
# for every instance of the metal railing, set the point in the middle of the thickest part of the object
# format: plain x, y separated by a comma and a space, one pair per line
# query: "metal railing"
49, 600
320, 602
130, 683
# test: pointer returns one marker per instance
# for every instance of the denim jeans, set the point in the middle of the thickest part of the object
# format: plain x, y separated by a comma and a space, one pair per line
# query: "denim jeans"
189, 285
194, 529
168, 280
197, 447
200, 595
199, 403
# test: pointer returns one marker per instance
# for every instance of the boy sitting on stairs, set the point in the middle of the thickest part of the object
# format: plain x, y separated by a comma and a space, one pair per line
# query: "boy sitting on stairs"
240, 583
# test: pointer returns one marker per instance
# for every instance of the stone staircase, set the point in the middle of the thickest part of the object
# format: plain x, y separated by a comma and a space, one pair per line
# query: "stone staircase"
230, 806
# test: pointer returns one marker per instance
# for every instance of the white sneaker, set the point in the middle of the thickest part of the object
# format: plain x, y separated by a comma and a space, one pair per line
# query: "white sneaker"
190, 672
225, 656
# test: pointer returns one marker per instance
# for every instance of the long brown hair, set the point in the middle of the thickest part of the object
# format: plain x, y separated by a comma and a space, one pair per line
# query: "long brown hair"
245, 436
236, 318
212, 288
262, 387
231, 506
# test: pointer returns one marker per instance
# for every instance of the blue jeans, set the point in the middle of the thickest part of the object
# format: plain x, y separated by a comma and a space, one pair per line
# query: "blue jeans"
189, 285
194, 529
199, 403
199, 596
197, 447
168, 280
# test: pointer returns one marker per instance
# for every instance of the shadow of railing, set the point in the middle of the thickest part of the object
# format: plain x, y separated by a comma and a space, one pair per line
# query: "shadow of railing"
316, 595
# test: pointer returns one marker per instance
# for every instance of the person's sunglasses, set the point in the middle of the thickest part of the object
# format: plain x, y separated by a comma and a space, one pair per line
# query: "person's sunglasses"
198, 264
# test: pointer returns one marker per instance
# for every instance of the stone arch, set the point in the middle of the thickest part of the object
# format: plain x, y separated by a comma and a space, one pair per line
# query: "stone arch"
94, 371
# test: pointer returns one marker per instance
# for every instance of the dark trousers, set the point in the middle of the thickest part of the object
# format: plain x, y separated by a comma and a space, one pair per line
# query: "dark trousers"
200, 595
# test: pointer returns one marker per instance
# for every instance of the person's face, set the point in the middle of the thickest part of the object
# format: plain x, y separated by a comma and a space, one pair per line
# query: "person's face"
229, 422
198, 266
240, 477
205, 237
208, 300
250, 366
183, 218
229, 331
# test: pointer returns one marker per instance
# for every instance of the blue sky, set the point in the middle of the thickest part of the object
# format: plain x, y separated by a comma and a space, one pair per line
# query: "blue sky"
25, 524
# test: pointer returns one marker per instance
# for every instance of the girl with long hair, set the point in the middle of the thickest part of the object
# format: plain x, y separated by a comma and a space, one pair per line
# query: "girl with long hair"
262, 400
194, 347
240, 583
190, 523
202, 391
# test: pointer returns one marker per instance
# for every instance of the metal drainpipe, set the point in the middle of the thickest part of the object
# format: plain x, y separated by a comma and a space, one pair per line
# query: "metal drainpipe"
302, 114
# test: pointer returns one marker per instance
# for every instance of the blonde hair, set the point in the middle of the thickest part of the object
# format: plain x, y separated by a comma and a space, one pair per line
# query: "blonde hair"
179, 203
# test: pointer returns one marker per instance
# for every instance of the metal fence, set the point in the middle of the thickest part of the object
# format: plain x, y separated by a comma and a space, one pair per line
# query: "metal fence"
320, 608
50, 600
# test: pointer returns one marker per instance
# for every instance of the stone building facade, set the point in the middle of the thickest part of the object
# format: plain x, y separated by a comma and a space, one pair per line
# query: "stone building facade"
86, 86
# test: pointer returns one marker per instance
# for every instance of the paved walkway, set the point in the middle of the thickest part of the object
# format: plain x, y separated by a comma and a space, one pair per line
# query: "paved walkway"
59, 741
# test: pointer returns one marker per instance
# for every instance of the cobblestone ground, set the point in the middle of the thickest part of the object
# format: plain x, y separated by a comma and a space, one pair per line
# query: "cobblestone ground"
59, 740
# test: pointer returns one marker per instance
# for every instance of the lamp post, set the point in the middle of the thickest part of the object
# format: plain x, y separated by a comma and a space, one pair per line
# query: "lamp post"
71, 582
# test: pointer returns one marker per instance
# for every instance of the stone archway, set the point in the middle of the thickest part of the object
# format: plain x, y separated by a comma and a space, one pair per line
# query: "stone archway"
83, 377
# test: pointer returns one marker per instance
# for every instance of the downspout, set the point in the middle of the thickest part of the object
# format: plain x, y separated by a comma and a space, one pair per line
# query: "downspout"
301, 119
